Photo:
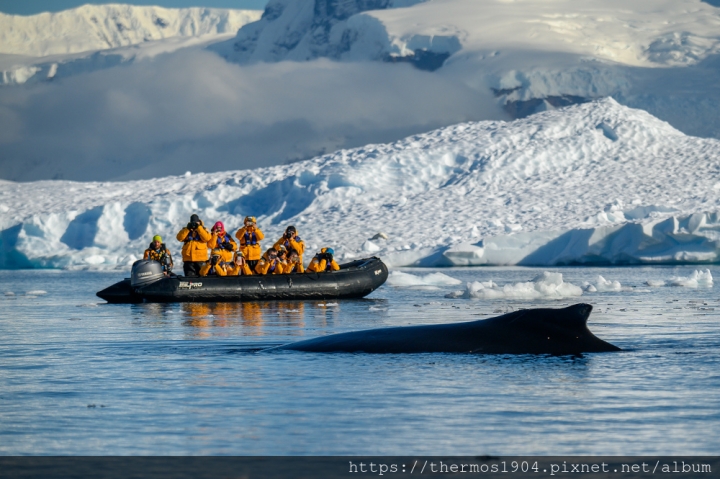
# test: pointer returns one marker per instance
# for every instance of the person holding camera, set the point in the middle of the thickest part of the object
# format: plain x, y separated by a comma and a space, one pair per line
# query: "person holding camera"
294, 263
222, 242
195, 249
291, 241
215, 267
239, 266
269, 263
323, 262
157, 251
249, 237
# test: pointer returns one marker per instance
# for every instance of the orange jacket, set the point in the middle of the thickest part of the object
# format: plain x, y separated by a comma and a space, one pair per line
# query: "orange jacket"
216, 243
263, 267
250, 244
295, 243
320, 266
219, 270
293, 268
234, 270
195, 247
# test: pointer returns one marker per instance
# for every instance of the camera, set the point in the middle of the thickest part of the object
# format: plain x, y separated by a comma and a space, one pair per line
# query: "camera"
193, 225
214, 260
228, 246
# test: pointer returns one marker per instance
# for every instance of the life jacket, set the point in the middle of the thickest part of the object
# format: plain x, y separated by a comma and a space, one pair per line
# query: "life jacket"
250, 238
273, 267
289, 248
193, 235
158, 254
225, 240
328, 262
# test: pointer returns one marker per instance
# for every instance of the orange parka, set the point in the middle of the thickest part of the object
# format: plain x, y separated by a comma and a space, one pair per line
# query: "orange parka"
250, 242
195, 247
291, 244
208, 269
265, 266
217, 243
234, 270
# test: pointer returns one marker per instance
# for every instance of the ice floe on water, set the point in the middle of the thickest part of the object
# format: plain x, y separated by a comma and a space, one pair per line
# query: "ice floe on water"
696, 280
398, 278
655, 283
544, 286
36, 292
601, 285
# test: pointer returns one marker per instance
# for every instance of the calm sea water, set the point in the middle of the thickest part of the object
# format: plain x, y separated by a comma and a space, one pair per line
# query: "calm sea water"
78, 376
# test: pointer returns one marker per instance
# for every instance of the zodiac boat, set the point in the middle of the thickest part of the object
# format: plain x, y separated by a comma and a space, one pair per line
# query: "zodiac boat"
148, 284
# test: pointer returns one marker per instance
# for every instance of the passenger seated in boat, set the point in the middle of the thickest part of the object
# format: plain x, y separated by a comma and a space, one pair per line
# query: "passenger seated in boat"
239, 266
249, 237
294, 264
282, 255
323, 262
222, 242
291, 241
215, 267
269, 263
157, 251
195, 248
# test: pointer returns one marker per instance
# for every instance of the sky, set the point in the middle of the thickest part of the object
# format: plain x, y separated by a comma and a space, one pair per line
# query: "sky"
31, 7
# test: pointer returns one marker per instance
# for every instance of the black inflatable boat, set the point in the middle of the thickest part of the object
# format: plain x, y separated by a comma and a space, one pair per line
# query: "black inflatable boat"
149, 285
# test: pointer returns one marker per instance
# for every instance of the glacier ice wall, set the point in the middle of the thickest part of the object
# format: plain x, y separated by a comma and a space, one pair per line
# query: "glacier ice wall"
597, 183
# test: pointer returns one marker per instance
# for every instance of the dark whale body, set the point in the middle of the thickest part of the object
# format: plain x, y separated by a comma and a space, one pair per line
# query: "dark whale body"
528, 331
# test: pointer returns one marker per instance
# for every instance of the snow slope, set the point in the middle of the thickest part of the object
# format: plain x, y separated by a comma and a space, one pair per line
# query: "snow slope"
592, 183
49, 46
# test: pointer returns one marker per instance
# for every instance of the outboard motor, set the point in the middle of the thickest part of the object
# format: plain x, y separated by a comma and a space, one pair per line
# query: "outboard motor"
144, 272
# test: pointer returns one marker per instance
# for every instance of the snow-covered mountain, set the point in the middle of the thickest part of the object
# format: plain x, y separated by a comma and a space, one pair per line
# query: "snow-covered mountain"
48, 46
101, 27
591, 183
534, 55
314, 76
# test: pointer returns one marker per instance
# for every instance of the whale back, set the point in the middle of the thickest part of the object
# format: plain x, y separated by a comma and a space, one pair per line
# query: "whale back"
529, 331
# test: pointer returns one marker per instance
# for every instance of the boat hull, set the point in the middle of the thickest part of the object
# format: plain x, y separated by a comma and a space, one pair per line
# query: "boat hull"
354, 280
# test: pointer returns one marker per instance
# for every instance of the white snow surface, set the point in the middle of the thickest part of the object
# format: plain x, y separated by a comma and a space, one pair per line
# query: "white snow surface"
547, 285
101, 27
597, 183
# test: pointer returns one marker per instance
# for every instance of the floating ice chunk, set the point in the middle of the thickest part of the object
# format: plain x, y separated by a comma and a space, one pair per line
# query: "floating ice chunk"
379, 235
589, 287
398, 278
544, 286
36, 292
697, 279
603, 285
655, 283
9, 293
370, 247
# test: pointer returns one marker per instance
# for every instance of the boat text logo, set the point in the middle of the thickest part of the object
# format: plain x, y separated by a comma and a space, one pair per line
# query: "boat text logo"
189, 285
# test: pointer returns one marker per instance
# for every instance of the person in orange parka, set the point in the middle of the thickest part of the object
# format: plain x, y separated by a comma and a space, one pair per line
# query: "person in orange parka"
249, 237
195, 249
323, 262
291, 241
269, 263
294, 264
239, 267
215, 267
222, 242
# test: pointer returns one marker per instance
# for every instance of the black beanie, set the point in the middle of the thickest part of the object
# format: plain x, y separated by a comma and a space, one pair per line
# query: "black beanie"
195, 219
